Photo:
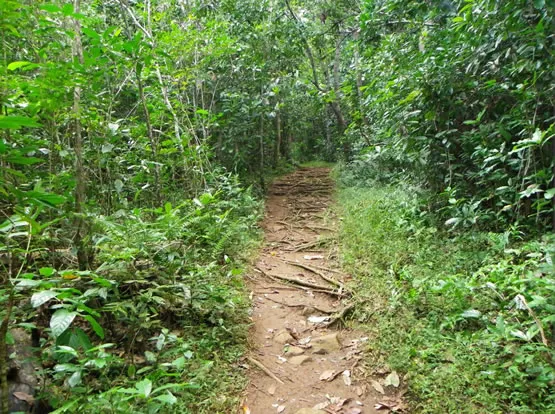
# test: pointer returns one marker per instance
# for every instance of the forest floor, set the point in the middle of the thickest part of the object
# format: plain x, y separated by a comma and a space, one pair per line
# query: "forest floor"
304, 360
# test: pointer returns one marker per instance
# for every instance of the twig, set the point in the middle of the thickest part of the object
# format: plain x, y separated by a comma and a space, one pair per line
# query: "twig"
266, 370
538, 322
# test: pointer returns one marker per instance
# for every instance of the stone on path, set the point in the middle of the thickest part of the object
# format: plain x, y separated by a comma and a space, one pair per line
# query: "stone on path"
294, 351
283, 337
326, 344
299, 360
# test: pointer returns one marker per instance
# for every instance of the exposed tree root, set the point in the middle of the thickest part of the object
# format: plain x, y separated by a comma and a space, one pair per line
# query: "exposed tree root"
315, 287
317, 272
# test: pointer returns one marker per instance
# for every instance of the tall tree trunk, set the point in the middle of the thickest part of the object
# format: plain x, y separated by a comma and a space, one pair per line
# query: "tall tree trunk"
261, 144
80, 179
278, 137
150, 134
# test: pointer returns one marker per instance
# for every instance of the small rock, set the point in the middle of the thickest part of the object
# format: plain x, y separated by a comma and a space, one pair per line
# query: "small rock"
299, 360
283, 337
310, 411
326, 344
294, 351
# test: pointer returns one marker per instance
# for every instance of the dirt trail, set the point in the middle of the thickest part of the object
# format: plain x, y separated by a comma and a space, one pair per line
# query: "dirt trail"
301, 361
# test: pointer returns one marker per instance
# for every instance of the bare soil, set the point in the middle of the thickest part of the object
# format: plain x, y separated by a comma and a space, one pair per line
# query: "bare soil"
303, 360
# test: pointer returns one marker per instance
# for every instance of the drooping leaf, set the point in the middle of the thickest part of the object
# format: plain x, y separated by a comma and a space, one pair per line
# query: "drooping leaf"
42, 297
61, 320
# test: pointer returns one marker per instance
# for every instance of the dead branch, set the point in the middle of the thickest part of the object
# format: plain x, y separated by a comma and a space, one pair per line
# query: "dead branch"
265, 370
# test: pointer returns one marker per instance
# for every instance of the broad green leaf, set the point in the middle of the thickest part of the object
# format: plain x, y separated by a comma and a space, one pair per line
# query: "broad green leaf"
42, 297
61, 320
47, 271
51, 8
75, 379
48, 199
16, 65
167, 398
15, 122
22, 160
144, 387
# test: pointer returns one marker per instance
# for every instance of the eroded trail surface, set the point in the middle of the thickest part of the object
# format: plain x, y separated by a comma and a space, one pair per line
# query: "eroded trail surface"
303, 361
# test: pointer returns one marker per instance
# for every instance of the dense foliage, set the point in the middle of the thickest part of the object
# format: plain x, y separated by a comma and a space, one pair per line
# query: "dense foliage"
131, 130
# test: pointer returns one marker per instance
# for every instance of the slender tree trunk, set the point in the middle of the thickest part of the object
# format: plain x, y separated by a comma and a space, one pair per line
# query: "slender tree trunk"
261, 144
151, 137
553, 186
278, 137
80, 179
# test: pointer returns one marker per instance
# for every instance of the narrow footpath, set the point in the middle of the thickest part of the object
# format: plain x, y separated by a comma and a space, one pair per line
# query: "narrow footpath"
303, 361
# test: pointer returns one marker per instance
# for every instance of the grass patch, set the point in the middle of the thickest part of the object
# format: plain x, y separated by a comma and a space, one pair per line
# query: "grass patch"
318, 164
465, 315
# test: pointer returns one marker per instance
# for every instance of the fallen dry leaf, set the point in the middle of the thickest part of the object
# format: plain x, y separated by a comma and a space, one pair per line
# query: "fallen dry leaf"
318, 319
315, 257
321, 406
392, 379
378, 387
281, 409
328, 375
347, 377
272, 389
305, 341
23, 396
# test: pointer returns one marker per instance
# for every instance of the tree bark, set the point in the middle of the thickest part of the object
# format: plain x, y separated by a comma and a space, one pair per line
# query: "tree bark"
150, 134
278, 137
80, 179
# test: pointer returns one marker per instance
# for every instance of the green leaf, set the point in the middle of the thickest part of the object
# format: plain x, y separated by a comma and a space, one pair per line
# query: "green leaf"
61, 320
90, 33
16, 65
118, 184
42, 297
95, 325
51, 8
75, 379
549, 194
167, 398
67, 10
144, 387
22, 160
48, 199
471, 313
47, 271
15, 122
28, 283
179, 363
539, 4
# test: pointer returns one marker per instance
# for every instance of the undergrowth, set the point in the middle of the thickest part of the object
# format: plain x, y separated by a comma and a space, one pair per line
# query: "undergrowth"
160, 323
468, 315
